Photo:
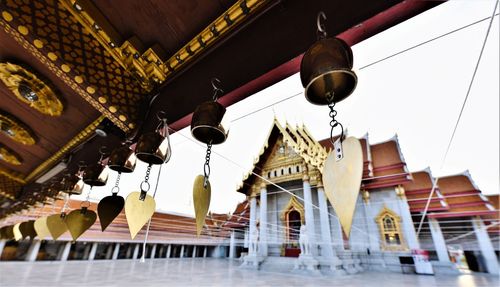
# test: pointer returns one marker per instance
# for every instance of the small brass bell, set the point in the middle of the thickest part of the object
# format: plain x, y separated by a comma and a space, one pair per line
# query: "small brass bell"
154, 147
326, 69
96, 174
122, 159
72, 184
206, 124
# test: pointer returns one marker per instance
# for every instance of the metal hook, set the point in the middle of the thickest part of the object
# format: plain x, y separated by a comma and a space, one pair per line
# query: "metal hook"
215, 85
319, 23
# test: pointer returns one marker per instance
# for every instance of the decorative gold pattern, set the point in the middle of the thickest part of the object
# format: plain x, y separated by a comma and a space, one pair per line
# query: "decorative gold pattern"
16, 78
16, 130
9, 156
148, 68
391, 237
9, 187
91, 68
293, 204
79, 138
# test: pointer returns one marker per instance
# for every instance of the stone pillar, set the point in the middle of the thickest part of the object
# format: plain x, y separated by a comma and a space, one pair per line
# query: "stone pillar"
153, 251
33, 250
232, 249
263, 221
485, 245
253, 220
406, 220
93, 251
326, 236
169, 249
86, 251
129, 252
66, 250
136, 251
109, 252
309, 213
116, 251
182, 252
162, 248
439, 243
194, 251
205, 252
2, 245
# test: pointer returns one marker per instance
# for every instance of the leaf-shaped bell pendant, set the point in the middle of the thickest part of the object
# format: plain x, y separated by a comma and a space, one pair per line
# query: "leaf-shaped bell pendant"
326, 69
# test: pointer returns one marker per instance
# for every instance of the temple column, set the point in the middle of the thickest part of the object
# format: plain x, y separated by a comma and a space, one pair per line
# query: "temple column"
309, 212
485, 245
263, 220
326, 237
93, 251
136, 252
169, 250
205, 252
2, 245
231, 246
194, 251
109, 252
129, 252
153, 252
162, 248
182, 252
439, 243
33, 250
406, 219
65, 252
253, 219
116, 251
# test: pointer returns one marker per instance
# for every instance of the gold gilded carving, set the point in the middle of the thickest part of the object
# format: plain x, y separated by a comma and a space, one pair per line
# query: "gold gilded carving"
9, 156
391, 237
16, 130
30, 89
148, 67
293, 204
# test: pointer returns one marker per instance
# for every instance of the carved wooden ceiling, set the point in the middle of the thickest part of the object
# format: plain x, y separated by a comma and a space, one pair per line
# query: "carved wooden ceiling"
65, 65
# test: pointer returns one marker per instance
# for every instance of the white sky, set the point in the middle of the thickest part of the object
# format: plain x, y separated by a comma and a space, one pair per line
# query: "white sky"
417, 95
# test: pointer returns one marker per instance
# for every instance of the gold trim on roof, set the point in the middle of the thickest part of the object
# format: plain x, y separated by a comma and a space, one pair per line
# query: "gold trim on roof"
148, 67
9, 156
16, 130
78, 139
17, 78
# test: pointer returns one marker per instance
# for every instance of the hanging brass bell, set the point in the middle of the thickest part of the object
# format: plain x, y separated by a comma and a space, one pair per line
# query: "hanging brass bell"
96, 175
72, 184
206, 123
326, 70
154, 147
122, 159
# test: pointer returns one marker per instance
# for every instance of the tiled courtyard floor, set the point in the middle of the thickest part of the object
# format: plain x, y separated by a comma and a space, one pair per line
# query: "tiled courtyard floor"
204, 272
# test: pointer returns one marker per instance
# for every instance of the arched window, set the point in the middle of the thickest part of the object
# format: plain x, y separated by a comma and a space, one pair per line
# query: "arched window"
269, 175
275, 174
289, 170
282, 172
298, 168
390, 230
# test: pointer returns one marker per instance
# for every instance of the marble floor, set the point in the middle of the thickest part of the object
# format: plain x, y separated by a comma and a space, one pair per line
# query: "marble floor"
203, 272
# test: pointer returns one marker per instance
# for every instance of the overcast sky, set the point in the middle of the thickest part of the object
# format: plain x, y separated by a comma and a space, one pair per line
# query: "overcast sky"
416, 95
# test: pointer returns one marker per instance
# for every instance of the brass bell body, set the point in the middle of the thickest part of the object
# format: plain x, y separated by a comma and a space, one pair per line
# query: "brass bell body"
122, 159
72, 184
153, 148
206, 123
326, 71
96, 175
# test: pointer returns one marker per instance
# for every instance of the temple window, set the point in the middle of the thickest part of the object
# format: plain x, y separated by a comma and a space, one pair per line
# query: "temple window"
269, 175
298, 168
282, 172
289, 170
275, 174
390, 230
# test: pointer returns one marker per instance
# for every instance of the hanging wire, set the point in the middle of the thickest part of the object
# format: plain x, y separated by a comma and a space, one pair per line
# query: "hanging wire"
435, 182
143, 257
